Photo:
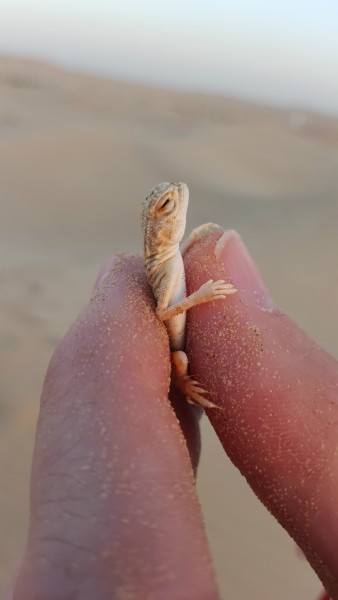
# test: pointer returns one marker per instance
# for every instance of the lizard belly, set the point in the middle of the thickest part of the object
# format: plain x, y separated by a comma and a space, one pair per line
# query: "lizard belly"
168, 284
176, 331
176, 325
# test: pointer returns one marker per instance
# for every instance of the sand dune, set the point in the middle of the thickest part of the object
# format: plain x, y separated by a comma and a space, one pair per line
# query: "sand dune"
77, 155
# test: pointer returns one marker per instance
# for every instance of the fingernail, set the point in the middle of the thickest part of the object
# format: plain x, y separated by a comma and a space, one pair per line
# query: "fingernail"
243, 273
104, 271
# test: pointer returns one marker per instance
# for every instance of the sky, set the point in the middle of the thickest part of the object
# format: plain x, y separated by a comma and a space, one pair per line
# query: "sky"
281, 53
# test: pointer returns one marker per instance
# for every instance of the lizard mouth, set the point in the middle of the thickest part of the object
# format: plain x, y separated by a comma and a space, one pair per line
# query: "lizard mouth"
184, 192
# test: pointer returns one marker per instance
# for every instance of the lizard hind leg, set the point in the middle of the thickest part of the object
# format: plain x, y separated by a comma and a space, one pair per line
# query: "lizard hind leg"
192, 390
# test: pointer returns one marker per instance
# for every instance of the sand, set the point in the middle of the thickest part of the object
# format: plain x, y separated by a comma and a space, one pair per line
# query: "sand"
77, 155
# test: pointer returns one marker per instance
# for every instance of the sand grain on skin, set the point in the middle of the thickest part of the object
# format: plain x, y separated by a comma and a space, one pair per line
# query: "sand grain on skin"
286, 449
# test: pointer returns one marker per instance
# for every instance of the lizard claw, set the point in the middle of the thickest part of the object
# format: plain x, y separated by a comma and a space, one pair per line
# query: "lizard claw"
195, 394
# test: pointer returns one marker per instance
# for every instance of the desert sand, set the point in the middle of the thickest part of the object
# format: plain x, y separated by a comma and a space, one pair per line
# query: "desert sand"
77, 155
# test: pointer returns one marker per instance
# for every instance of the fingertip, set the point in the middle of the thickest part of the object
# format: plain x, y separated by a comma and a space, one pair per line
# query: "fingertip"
234, 256
105, 268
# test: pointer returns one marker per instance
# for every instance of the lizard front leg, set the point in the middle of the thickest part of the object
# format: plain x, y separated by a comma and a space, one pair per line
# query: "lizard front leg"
209, 291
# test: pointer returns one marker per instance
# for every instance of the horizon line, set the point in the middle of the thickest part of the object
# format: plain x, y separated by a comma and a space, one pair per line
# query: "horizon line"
185, 91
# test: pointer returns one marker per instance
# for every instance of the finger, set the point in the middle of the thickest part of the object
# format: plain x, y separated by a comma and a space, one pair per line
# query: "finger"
188, 418
279, 394
104, 271
113, 505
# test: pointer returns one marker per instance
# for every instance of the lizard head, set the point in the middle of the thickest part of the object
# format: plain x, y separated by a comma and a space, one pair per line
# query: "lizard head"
164, 215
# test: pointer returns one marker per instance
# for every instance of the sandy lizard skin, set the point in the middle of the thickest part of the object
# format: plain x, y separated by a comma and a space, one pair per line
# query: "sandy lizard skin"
163, 223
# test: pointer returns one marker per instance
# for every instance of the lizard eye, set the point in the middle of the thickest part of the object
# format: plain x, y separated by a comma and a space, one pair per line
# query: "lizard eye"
166, 204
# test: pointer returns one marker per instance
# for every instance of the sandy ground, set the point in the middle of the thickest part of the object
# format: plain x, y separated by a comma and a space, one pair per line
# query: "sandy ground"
77, 156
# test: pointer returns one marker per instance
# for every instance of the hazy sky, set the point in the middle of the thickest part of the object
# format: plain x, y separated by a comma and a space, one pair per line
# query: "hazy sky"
280, 52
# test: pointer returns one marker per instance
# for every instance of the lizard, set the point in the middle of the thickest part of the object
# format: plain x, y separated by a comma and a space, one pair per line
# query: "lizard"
163, 224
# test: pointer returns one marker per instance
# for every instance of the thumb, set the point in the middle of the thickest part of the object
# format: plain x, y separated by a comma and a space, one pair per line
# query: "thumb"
279, 394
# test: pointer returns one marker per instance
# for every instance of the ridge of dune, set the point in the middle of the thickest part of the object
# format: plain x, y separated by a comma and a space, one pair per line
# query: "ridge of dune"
68, 137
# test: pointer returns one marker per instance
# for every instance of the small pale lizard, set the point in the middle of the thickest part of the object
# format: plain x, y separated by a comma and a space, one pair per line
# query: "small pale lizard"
163, 222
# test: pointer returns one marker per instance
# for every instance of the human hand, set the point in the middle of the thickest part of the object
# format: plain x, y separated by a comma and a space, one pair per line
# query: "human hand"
114, 509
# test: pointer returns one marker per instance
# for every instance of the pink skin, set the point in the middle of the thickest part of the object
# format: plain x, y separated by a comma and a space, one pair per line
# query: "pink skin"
279, 395
113, 505
324, 596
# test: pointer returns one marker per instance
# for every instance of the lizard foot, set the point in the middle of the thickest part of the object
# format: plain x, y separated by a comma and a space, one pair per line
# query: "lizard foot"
192, 390
214, 290
195, 394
